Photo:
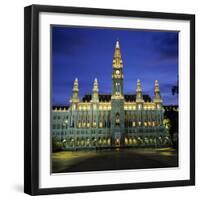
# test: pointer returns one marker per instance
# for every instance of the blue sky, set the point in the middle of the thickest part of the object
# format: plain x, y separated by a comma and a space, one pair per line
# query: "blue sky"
87, 53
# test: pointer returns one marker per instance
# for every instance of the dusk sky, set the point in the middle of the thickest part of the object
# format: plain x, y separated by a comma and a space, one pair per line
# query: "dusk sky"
87, 53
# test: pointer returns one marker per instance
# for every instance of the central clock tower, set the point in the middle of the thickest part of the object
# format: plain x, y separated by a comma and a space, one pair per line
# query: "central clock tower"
117, 99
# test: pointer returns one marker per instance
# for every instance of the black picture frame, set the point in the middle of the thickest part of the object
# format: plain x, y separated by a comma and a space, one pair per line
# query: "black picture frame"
31, 98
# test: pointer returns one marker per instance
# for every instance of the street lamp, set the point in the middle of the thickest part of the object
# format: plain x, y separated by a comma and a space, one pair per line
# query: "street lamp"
63, 142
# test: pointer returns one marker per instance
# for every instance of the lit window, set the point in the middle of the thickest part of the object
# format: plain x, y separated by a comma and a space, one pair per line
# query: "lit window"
104, 141
74, 107
109, 141
149, 123
117, 120
130, 141
100, 124
134, 141
126, 141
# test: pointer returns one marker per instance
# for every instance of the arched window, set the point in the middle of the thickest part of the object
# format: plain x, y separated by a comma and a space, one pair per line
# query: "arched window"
117, 119
118, 89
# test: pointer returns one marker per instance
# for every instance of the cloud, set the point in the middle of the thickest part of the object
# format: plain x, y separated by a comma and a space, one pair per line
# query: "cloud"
166, 87
166, 45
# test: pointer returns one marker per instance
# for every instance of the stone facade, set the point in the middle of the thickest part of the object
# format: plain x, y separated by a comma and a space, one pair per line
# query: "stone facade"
115, 120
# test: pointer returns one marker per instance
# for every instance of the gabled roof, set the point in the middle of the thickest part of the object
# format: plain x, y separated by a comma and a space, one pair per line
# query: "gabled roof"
60, 107
107, 98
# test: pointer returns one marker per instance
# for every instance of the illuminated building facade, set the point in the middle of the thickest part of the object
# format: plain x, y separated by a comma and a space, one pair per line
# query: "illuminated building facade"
111, 120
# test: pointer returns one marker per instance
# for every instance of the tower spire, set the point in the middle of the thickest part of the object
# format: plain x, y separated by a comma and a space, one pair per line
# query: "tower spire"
117, 74
95, 91
117, 44
139, 97
117, 60
157, 96
95, 86
75, 91
75, 87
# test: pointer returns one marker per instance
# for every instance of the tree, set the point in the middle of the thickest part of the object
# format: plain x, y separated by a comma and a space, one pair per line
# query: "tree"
175, 89
56, 144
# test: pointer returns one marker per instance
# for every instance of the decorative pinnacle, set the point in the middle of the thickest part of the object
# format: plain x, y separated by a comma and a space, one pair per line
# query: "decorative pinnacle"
95, 85
117, 60
117, 44
75, 88
139, 97
157, 96
157, 89
76, 81
156, 83
139, 88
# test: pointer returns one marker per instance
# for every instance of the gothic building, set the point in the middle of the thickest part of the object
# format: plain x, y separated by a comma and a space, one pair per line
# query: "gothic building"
111, 120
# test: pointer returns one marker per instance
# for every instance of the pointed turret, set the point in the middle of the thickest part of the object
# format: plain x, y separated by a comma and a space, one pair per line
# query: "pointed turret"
117, 60
157, 96
75, 88
139, 97
75, 91
95, 91
117, 73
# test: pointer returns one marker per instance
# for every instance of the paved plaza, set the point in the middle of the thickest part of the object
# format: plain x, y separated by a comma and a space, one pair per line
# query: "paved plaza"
115, 159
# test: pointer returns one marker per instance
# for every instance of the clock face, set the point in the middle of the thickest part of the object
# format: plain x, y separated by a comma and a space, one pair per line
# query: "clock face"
117, 72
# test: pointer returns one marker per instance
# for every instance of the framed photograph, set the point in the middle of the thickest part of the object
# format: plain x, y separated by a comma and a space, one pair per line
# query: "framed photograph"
109, 100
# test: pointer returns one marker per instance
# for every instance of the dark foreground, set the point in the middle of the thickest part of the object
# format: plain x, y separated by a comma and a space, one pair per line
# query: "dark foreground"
117, 159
